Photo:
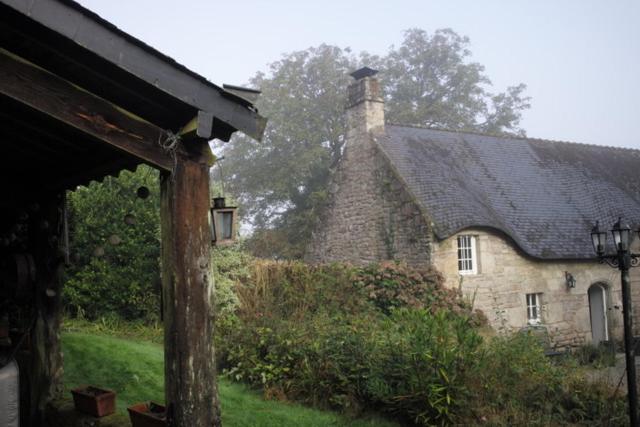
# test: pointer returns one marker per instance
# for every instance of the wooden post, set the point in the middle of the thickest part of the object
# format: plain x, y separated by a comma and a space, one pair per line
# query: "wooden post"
41, 366
187, 285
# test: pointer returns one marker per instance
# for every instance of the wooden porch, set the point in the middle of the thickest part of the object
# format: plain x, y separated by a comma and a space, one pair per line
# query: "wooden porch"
79, 100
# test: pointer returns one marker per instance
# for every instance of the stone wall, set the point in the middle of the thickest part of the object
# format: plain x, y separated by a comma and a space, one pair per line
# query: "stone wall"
370, 216
505, 275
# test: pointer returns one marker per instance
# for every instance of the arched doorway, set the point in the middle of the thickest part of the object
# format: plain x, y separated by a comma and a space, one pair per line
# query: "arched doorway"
598, 313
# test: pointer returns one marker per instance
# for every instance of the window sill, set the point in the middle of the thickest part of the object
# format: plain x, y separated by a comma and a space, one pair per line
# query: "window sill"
467, 273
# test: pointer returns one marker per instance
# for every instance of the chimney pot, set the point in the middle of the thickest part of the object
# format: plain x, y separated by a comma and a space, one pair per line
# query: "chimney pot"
363, 72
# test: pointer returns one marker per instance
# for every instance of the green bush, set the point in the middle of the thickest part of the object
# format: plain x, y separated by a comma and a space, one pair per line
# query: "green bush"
598, 356
230, 266
420, 365
516, 384
390, 339
391, 285
98, 289
319, 334
411, 364
115, 248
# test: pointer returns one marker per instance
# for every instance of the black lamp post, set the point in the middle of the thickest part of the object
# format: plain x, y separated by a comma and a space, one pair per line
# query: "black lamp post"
623, 259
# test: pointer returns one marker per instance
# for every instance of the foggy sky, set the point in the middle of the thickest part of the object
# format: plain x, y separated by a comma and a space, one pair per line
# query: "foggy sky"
580, 59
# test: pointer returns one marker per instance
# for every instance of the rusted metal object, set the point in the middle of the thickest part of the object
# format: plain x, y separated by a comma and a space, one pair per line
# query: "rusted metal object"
147, 414
95, 401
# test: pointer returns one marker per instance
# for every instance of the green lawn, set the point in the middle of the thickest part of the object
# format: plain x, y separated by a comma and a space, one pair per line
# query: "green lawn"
134, 369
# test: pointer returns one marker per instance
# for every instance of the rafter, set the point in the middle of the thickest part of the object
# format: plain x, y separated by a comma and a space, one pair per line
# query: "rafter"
69, 104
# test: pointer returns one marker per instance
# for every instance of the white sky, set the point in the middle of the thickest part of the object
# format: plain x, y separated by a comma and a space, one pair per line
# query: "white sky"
580, 59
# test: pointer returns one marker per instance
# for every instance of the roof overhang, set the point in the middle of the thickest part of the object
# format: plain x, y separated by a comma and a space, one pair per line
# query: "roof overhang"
81, 99
78, 45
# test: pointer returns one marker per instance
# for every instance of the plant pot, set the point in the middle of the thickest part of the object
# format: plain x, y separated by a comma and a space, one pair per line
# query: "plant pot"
94, 401
147, 414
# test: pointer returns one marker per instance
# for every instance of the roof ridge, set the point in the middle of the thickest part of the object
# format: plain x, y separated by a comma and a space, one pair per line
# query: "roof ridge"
517, 137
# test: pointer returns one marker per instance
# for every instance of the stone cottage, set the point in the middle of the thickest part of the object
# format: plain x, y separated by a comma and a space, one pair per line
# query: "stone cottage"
505, 219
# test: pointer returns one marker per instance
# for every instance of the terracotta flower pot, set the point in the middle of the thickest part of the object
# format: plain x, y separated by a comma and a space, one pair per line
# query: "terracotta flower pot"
147, 414
94, 401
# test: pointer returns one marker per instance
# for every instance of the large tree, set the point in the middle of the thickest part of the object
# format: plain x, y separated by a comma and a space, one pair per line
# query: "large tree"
281, 182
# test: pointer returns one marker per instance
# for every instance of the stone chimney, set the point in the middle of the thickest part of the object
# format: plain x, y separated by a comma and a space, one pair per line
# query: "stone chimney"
365, 106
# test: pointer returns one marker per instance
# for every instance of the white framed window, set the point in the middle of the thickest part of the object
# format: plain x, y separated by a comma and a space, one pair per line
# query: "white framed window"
534, 309
467, 258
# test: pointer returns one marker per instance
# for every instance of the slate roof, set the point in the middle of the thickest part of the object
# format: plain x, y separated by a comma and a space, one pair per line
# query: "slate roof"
545, 195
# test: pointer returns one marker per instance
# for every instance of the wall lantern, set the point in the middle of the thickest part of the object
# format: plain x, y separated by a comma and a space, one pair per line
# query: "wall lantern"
223, 222
570, 280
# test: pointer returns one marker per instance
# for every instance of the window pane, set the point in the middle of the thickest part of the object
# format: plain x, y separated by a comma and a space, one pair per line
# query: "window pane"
227, 225
534, 309
465, 254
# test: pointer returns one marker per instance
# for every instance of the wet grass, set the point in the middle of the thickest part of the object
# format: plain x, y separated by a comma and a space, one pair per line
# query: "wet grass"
134, 369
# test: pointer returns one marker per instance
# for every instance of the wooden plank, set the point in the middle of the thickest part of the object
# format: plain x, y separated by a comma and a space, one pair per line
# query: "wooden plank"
126, 52
187, 284
59, 99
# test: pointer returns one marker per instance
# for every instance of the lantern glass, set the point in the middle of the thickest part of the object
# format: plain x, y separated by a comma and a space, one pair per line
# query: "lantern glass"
223, 225
621, 235
571, 281
598, 239
226, 223
213, 226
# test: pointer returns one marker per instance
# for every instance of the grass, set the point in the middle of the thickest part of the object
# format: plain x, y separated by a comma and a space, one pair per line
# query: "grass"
134, 369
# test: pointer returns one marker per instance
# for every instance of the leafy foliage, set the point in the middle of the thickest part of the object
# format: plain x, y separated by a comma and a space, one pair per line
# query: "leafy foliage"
514, 383
115, 247
231, 265
315, 333
429, 82
421, 365
282, 181
391, 285
391, 339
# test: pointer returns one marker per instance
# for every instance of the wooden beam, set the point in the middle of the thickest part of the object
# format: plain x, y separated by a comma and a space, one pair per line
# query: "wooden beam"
125, 52
107, 168
187, 284
61, 100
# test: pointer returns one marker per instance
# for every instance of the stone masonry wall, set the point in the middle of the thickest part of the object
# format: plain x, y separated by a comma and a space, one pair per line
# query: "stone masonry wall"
505, 276
370, 216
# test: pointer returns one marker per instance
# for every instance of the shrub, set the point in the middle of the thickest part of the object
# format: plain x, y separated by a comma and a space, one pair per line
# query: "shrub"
391, 285
97, 289
420, 363
230, 266
514, 383
318, 334
121, 276
598, 356
392, 339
